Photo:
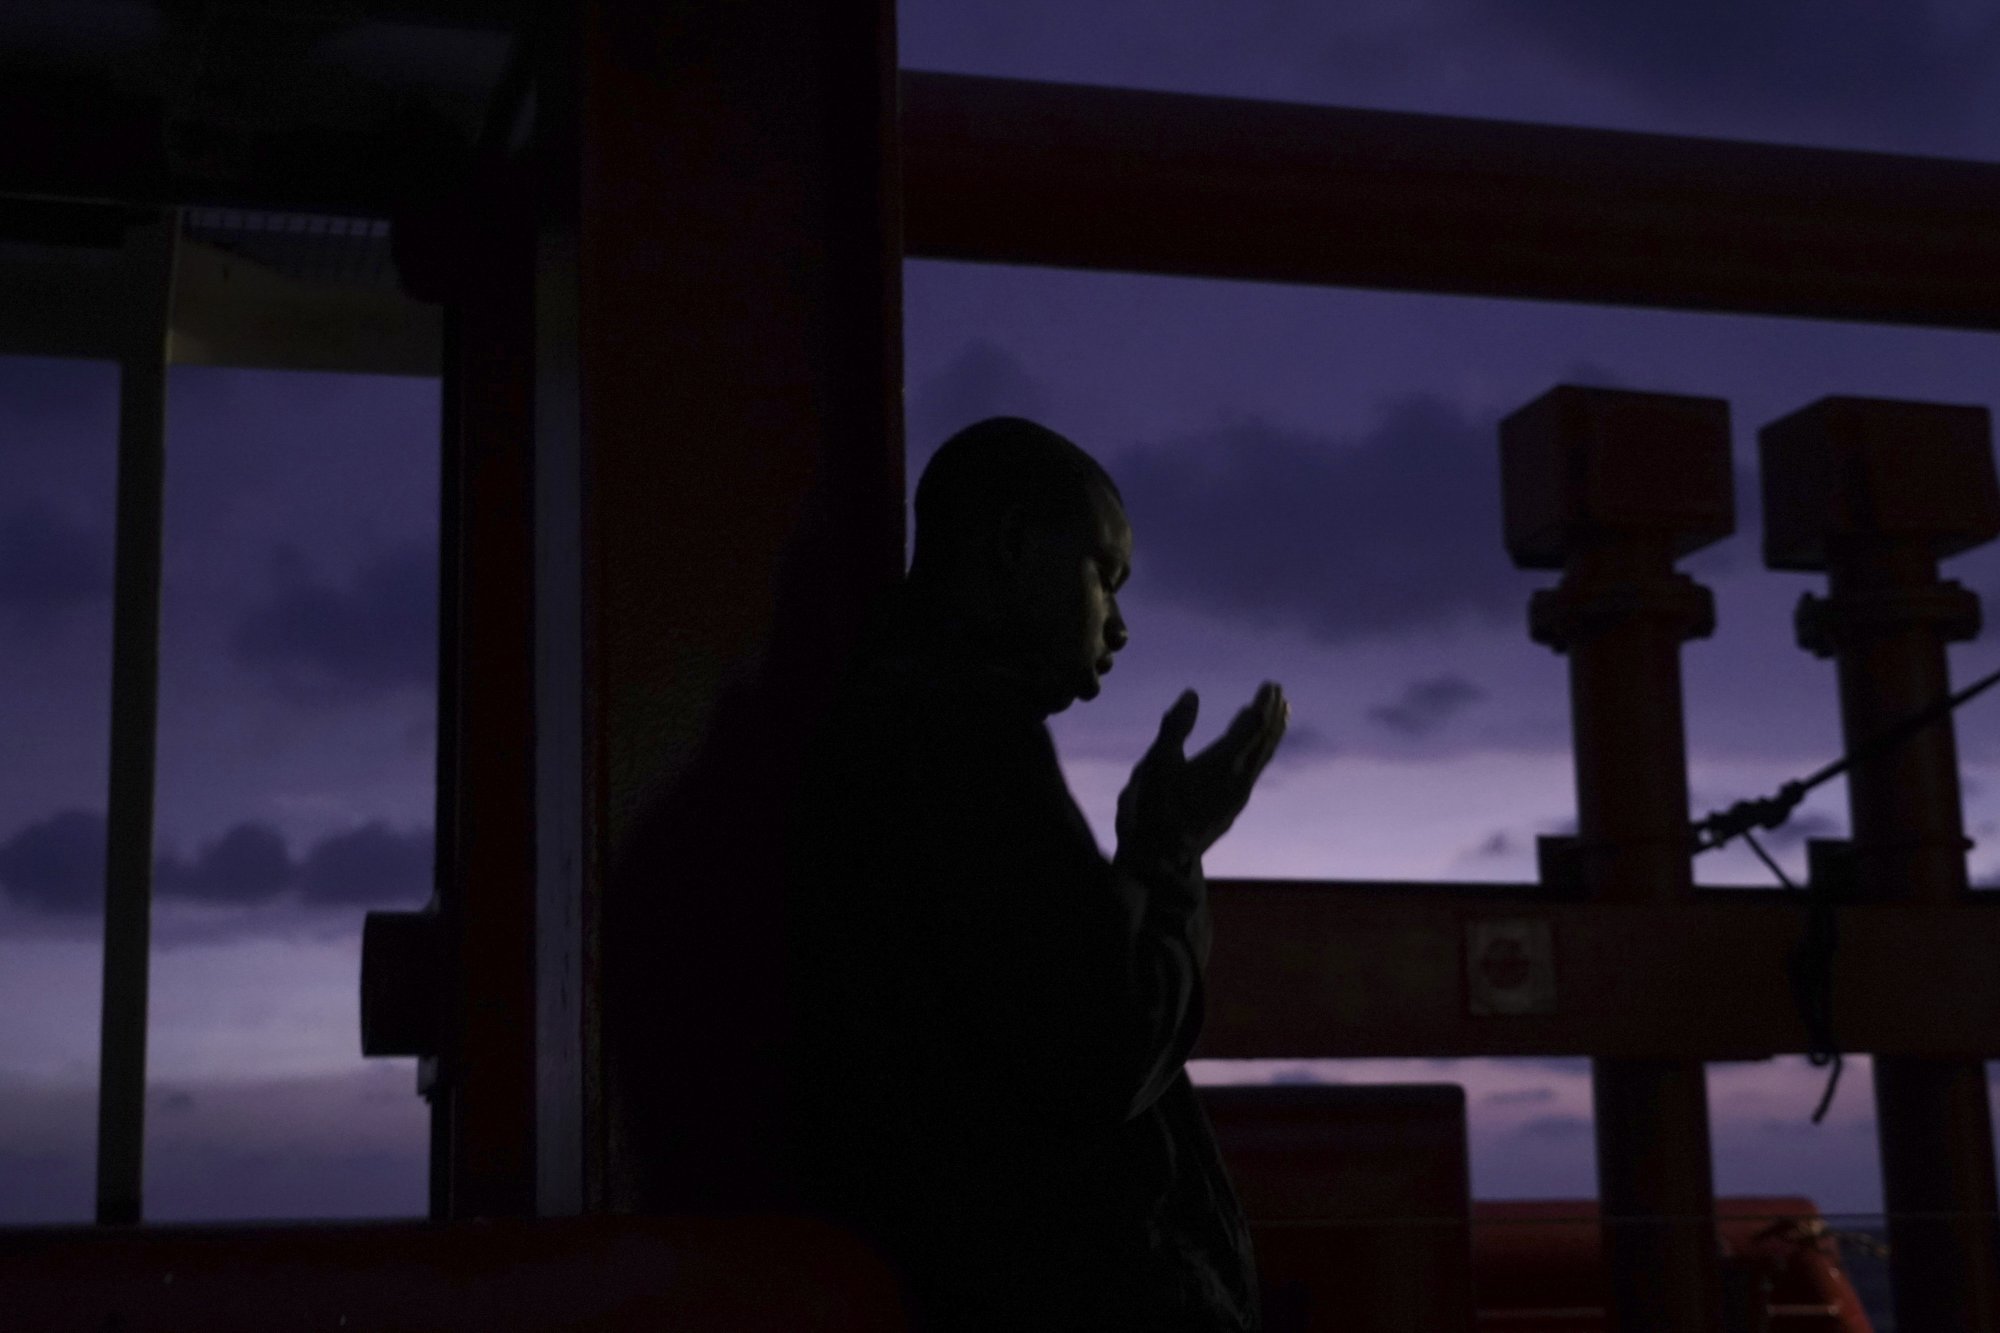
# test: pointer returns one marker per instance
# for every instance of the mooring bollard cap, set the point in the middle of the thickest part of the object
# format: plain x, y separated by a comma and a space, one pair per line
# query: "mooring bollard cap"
1581, 464
1876, 468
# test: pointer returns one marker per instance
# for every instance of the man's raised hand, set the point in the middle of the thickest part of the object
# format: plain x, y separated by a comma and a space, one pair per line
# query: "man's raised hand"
1178, 805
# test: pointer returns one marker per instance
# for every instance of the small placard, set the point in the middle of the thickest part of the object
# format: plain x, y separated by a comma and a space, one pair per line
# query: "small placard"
1510, 966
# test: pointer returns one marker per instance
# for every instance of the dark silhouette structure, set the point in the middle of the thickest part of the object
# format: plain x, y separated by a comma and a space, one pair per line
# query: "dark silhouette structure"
654, 253
992, 1017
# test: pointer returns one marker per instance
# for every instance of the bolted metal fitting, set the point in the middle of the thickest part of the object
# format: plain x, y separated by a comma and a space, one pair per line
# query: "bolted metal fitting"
1571, 613
1826, 625
402, 956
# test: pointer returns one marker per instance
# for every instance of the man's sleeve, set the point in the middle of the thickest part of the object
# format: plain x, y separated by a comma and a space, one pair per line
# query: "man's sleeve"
1051, 982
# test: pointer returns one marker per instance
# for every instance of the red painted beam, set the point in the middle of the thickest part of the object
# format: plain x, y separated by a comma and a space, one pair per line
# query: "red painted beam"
1018, 172
1008, 171
583, 1275
1341, 970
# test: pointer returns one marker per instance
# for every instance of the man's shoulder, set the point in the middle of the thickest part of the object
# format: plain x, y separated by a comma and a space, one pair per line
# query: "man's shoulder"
912, 740
929, 694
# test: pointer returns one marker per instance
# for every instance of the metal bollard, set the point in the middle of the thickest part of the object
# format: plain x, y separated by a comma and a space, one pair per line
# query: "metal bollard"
1611, 487
1873, 493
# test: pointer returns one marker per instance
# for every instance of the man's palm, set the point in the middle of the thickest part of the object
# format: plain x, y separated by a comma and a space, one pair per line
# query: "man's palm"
1179, 805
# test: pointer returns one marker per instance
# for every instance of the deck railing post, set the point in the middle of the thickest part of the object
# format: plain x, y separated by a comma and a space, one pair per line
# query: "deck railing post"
1612, 487
1873, 493
135, 683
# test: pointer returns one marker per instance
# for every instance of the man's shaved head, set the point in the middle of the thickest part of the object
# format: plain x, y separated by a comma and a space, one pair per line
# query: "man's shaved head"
1022, 545
994, 467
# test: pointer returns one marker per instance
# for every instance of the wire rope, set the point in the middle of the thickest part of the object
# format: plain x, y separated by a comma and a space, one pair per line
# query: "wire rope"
1809, 966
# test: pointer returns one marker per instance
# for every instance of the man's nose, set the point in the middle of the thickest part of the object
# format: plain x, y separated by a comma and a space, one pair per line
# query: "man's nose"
1115, 633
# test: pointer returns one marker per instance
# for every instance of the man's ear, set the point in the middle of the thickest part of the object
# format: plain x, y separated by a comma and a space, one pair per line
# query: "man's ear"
1011, 545
1011, 541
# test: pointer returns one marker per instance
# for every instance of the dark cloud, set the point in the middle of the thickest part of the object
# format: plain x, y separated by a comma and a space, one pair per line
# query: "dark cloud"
49, 565
324, 642
1554, 1127
1794, 831
56, 865
1304, 743
37, 393
49, 1187
1878, 74
983, 380
1426, 704
248, 864
368, 865
1509, 844
1520, 1097
1299, 1075
1341, 539
1592, 374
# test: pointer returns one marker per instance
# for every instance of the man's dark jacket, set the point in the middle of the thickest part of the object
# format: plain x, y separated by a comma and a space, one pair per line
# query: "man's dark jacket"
993, 1018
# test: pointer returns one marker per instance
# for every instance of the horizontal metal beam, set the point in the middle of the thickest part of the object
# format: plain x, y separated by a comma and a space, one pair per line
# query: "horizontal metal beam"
67, 300
77, 139
698, 1275
233, 311
1006, 171
72, 300
1334, 970
1018, 172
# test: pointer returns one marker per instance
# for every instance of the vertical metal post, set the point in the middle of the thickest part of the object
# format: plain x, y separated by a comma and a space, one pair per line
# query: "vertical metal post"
567, 755
1612, 487
135, 661
456, 983
485, 1104
435, 1077
1874, 492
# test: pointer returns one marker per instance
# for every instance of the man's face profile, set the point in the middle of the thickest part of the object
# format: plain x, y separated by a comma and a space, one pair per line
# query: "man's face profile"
1065, 583
1022, 546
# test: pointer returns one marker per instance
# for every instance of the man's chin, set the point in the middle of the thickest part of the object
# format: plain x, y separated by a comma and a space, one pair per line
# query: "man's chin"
1082, 689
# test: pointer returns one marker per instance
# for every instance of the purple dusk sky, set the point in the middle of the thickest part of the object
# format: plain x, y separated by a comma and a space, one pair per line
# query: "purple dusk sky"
1312, 477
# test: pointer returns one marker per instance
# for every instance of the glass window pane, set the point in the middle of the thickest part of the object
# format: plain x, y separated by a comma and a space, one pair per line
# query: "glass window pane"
297, 735
58, 468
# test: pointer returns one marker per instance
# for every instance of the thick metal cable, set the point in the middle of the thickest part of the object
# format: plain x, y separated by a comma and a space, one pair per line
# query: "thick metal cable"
1810, 963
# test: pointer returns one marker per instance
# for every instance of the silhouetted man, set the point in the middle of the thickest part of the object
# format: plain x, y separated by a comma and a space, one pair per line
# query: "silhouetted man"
993, 1017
